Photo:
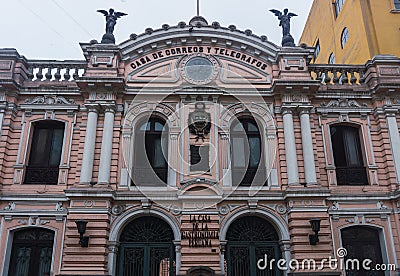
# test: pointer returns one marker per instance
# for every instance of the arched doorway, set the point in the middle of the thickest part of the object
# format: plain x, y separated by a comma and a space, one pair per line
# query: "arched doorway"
249, 239
146, 248
32, 252
362, 243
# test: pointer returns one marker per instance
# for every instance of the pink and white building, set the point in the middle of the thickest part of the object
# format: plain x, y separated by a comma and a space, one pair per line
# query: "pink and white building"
198, 149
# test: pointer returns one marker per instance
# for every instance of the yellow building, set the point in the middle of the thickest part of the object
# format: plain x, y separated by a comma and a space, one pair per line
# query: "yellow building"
352, 31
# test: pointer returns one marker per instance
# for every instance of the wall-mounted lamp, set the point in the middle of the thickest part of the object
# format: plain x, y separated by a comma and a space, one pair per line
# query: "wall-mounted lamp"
315, 226
81, 224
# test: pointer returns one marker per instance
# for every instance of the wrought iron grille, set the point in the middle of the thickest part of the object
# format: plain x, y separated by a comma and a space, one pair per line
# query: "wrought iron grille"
147, 248
351, 176
41, 175
250, 239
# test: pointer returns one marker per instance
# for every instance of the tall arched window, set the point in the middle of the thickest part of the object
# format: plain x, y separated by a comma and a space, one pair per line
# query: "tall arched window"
151, 151
246, 151
32, 252
45, 153
338, 6
347, 154
345, 36
362, 243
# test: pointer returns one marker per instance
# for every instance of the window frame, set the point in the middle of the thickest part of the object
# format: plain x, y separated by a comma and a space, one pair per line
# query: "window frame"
153, 134
251, 171
345, 169
34, 169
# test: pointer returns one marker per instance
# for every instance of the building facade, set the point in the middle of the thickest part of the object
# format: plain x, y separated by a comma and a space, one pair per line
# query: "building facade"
352, 32
198, 149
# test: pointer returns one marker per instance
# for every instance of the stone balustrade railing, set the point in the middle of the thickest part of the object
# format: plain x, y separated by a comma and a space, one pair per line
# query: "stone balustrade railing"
55, 70
338, 74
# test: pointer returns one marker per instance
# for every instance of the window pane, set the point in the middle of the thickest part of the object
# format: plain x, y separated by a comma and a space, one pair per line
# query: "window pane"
252, 127
158, 126
238, 127
255, 151
352, 147
158, 160
145, 126
38, 156
56, 147
239, 154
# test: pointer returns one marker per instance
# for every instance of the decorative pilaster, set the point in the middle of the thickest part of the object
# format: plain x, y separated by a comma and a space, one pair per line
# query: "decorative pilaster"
178, 248
173, 158
106, 145
307, 144
222, 249
225, 160
390, 114
90, 142
290, 146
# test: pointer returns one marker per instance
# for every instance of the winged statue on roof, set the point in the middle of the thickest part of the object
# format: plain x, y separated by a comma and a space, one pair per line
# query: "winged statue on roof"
111, 19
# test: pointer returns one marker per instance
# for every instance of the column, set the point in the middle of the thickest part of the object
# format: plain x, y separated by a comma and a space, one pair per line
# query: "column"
106, 145
307, 143
90, 142
178, 256
394, 139
222, 249
290, 146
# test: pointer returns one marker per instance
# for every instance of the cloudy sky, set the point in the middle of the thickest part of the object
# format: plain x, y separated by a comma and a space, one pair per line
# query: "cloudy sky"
52, 29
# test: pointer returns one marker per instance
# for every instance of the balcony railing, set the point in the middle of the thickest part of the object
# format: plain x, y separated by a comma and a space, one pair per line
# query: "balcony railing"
41, 175
55, 71
338, 74
351, 176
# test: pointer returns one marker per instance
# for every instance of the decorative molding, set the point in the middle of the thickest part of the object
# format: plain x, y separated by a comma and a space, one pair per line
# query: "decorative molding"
10, 206
343, 103
50, 100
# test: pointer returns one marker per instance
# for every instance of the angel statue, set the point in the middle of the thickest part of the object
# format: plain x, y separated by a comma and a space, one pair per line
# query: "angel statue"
285, 23
111, 20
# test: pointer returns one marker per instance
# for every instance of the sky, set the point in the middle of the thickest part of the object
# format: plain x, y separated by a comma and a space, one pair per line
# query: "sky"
52, 29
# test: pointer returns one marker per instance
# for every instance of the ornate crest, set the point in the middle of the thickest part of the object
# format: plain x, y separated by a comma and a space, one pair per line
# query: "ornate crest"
199, 121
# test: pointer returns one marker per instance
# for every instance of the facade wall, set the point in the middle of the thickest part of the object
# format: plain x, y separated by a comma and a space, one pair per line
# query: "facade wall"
373, 29
134, 81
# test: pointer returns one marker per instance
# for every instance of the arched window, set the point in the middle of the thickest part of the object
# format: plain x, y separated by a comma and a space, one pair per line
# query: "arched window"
347, 155
250, 238
345, 36
146, 248
362, 243
45, 153
151, 151
331, 59
317, 50
246, 151
32, 252
338, 6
